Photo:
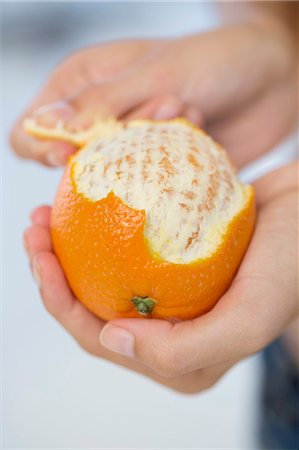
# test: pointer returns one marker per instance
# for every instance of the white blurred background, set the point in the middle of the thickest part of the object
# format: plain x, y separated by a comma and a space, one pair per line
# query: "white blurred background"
54, 394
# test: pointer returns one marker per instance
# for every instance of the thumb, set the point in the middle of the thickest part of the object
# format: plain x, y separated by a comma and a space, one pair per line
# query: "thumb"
236, 327
117, 98
175, 349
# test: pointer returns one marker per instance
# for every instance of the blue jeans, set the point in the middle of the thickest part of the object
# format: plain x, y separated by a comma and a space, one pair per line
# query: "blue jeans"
279, 427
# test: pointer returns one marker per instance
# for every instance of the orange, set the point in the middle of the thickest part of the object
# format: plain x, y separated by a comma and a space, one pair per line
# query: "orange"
151, 222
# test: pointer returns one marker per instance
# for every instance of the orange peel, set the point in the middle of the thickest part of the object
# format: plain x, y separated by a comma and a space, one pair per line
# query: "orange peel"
151, 220
102, 128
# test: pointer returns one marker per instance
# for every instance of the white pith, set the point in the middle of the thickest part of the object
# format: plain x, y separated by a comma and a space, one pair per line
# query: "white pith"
103, 128
189, 201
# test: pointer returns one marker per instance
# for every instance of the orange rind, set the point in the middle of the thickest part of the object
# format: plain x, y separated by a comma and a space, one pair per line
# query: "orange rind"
102, 128
151, 221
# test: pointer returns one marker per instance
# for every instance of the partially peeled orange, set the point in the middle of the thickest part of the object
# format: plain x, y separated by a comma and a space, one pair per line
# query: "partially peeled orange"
150, 220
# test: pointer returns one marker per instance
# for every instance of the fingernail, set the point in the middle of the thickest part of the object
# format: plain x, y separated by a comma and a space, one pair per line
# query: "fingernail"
48, 115
55, 159
36, 271
168, 110
118, 340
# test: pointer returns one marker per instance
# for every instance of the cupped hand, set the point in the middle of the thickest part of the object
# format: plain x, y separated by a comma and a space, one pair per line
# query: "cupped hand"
192, 355
244, 93
82, 324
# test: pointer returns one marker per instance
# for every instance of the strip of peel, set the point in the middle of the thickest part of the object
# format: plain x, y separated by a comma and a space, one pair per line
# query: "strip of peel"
102, 129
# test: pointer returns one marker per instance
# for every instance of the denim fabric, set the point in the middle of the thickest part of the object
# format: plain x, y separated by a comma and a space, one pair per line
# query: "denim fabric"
279, 427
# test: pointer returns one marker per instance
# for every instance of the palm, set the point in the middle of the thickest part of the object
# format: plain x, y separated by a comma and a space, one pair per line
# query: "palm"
76, 319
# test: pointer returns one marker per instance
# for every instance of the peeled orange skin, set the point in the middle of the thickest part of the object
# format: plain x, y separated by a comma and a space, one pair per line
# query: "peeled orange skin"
107, 260
101, 128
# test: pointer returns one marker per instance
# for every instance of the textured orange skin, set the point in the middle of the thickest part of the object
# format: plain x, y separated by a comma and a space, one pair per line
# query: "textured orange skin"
107, 261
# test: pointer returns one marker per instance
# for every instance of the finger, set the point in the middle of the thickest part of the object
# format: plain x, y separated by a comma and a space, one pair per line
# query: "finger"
159, 108
37, 239
231, 331
61, 303
41, 216
44, 151
57, 296
122, 94
196, 381
166, 108
85, 327
249, 316
73, 75
172, 350
114, 98
49, 153
80, 112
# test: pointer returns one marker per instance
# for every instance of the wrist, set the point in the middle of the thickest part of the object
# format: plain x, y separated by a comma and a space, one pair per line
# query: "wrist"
283, 49
225, 68
278, 22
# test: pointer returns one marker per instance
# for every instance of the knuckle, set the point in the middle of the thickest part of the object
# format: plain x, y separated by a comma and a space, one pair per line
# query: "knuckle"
66, 70
194, 382
207, 380
88, 348
91, 95
208, 383
70, 62
51, 305
257, 338
161, 77
50, 308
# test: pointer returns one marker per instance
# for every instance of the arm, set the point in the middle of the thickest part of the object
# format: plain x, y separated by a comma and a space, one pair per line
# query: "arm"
282, 14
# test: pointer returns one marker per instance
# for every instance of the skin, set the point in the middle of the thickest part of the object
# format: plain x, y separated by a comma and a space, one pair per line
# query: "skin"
245, 97
252, 95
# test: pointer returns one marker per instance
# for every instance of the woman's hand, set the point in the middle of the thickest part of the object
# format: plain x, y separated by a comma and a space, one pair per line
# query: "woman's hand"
192, 355
239, 82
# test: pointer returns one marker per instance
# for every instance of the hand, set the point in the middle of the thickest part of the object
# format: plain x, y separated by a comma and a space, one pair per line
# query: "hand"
192, 355
239, 82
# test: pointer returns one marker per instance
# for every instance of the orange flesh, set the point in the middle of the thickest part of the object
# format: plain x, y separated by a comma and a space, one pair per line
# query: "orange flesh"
107, 261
